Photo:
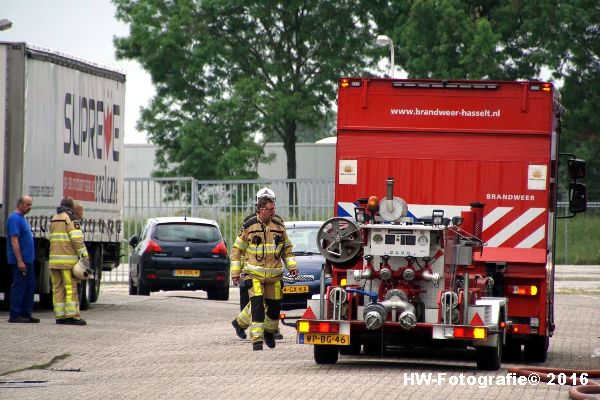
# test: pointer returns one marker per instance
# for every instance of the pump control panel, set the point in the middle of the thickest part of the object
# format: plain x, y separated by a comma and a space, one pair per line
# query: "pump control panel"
401, 242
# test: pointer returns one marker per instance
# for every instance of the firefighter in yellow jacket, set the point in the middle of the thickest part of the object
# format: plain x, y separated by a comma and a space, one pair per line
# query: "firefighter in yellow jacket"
66, 249
265, 247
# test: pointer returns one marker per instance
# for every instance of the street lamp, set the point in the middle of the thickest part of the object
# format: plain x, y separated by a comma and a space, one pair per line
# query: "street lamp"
5, 24
383, 40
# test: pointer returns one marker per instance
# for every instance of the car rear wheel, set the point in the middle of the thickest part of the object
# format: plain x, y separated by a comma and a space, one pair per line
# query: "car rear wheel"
218, 294
132, 287
142, 290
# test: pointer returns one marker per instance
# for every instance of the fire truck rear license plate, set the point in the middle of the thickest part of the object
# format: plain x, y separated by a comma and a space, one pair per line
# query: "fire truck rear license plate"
324, 338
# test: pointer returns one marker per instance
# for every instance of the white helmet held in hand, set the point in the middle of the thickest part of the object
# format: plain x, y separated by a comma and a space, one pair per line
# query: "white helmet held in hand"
265, 192
82, 271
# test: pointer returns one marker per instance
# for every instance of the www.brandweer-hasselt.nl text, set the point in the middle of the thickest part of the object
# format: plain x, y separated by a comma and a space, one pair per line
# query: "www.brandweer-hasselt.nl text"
445, 113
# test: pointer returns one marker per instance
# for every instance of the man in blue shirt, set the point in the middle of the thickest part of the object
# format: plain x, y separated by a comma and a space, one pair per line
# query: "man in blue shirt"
21, 254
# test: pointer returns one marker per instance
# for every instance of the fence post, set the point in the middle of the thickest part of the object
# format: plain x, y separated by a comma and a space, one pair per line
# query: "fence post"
194, 197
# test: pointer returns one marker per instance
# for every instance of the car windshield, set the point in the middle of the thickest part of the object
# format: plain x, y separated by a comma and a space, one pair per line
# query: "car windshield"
304, 239
187, 232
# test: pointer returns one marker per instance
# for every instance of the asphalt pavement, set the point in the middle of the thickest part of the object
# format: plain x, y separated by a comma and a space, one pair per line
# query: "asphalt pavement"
179, 345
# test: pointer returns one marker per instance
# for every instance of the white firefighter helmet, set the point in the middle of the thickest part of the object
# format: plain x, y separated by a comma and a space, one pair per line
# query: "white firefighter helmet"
82, 271
265, 192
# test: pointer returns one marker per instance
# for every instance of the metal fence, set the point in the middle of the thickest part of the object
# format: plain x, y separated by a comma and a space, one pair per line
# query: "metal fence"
228, 202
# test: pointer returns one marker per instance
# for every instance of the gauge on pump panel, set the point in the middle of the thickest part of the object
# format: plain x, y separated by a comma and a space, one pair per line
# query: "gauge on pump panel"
423, 240
377, 238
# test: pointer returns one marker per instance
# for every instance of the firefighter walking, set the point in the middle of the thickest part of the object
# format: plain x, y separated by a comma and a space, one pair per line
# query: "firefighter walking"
265, 248
67, 248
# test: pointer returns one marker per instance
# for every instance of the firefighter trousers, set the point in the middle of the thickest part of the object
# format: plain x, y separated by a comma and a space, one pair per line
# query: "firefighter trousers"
64, 294
244, 318
265, 305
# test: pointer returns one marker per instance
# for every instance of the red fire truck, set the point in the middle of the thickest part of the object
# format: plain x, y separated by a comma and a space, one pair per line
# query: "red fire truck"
445, 222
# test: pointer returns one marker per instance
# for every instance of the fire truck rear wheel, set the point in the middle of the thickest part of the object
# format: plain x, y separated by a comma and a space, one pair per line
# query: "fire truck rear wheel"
511, 350
536, 349
325, 354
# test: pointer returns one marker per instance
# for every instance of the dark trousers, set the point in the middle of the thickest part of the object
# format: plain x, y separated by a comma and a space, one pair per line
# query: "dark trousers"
22, 291
244, 296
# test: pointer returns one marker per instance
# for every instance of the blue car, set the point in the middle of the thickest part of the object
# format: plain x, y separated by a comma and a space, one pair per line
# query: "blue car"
303, 235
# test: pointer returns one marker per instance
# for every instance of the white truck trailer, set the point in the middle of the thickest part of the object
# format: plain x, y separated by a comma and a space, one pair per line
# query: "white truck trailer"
61, 134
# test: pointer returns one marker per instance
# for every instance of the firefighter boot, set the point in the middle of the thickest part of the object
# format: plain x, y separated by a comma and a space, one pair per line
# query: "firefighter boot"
74, 321
278, 336
257, 346
238, 329
269, 340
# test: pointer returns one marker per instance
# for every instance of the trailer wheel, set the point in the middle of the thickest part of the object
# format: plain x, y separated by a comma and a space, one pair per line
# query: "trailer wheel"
325, 354
84, 301
46, 301
94, 284
5, 304
536, 349
489, 358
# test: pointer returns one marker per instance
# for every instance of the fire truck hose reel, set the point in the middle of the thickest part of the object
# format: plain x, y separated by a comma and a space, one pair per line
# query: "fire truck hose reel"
339, 240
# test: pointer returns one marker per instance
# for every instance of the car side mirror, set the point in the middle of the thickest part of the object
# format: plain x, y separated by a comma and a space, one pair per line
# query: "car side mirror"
577, 198
134, 240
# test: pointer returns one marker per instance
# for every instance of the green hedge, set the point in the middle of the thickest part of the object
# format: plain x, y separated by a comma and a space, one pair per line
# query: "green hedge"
577, 239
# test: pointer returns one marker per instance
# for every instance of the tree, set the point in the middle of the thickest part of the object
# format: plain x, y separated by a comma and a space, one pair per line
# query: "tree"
457, 39
226, 70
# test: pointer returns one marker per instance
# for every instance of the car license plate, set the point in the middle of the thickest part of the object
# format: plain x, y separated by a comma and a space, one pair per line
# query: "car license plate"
187, 272
295, 289
325, 338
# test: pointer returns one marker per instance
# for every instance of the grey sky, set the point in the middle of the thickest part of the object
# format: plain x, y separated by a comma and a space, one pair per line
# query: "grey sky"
85, 29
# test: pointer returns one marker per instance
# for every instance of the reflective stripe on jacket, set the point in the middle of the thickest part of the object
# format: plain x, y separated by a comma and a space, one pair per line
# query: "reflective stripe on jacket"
66, 242
264, 249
